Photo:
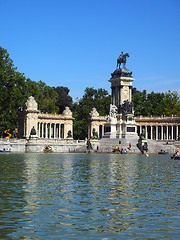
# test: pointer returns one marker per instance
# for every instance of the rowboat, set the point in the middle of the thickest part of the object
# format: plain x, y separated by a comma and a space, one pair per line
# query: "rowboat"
177, 157
123, 152
162, 152
5, 151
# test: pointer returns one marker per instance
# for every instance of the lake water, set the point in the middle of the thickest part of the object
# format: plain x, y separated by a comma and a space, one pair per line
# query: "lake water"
89, 196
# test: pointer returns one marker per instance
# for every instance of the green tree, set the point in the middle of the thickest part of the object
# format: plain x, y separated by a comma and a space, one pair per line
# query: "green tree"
12, 84
154, 104
63, 98
171, 103
100, 99
139, 101
44, 95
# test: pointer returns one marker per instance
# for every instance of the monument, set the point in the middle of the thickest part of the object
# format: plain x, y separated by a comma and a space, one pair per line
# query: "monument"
120, 121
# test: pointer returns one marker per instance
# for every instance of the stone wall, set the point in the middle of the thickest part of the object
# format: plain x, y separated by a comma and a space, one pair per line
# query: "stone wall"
36, 145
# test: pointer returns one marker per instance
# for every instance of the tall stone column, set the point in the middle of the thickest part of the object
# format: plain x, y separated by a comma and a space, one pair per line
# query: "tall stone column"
50, 130
146, 133
46, 130
59, 130
42, 130
140, 130
39, 128
172, 135
162, 136
167, 133
156, 132
177, 132
130, 94
151, 132
54, 130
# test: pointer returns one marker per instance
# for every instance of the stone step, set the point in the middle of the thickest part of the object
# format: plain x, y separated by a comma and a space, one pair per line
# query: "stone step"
108, 144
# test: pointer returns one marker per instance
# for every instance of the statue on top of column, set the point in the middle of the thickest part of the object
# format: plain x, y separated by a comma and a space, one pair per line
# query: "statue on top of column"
122, 59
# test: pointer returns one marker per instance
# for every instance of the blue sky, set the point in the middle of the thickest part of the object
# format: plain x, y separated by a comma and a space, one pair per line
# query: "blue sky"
76, 43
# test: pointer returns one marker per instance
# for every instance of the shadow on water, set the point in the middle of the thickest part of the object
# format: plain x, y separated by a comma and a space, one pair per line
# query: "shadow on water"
56, 196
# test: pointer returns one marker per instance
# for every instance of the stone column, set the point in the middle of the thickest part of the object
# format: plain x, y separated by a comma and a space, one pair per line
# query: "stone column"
118, 95
146, 136
140, 131
151, 132
50, 130
113, 94
162, 136
42, 129
46, 131
167, 133
177, 132
39, 129
102, 130
54, 130
59, 130
156, 132
130, 93
172, 135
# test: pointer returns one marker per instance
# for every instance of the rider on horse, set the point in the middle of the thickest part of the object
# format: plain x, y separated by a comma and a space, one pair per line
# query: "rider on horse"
122, 59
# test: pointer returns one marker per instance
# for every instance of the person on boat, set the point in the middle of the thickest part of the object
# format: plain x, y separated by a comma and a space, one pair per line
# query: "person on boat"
117, 148
176, 154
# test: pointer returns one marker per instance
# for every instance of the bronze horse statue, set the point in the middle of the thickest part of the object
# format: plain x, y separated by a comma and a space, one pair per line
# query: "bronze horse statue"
122, 59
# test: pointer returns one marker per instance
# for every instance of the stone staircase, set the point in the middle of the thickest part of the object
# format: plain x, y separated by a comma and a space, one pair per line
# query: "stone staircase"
108, 144
156, 146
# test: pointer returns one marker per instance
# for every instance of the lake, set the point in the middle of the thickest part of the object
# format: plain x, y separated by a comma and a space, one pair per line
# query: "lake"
89, 196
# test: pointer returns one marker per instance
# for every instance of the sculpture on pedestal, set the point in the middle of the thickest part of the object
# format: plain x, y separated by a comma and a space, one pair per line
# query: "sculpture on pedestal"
112, 112
127, 107
33, 131
122, 59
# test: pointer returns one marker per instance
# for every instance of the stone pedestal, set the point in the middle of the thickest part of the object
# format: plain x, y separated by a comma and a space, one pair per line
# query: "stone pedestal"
120, 121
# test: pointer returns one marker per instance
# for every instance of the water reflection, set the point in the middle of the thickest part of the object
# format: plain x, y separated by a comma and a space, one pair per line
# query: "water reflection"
12, 194
51, 196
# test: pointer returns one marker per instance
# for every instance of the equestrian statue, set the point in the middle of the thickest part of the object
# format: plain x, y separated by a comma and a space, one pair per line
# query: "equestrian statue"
122, 59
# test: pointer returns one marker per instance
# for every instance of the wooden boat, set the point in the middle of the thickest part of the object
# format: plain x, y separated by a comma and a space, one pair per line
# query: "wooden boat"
5, 151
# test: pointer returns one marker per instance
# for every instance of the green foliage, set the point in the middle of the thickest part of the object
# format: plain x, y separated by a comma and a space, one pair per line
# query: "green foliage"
45, 96
100, 99
63, 98
171, 103
155, 104
139, 100
11, 92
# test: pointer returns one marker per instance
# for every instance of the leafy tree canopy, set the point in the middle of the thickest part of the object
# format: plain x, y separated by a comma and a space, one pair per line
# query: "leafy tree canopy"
155, 104
100, 99
63, 98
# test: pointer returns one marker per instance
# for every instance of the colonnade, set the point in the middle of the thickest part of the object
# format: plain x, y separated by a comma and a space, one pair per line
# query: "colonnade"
50, 130
160, 132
